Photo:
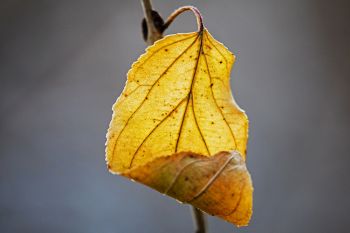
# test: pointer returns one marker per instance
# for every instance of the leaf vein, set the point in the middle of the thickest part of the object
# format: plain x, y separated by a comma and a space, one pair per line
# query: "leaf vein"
152, 131
153, 85
176, 177
212, 179
157, 50
217, 105
217, 49
238, 202
190, 96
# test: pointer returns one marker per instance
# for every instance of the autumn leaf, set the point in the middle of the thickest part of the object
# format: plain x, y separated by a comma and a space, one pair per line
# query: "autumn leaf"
173, 120
219, 185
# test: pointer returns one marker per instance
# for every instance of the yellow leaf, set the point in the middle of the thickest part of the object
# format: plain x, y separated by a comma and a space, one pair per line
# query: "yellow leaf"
219, 185
178, 98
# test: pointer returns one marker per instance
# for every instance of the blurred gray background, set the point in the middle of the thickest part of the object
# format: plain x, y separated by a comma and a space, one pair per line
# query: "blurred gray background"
63, 64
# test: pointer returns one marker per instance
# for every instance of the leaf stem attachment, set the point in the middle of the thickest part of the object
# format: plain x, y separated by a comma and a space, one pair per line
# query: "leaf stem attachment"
153, 25
180, 10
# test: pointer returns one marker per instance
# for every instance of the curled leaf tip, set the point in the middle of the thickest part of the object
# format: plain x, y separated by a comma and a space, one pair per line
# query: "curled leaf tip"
219, 185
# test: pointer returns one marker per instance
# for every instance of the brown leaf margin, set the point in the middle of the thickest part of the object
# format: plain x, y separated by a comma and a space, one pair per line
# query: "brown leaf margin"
219, 185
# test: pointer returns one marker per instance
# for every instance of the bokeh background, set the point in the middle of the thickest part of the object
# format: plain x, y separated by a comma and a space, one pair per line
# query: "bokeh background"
63, 64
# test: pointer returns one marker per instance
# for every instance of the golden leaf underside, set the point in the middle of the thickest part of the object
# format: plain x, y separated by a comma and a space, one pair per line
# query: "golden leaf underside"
219, 185
177, 98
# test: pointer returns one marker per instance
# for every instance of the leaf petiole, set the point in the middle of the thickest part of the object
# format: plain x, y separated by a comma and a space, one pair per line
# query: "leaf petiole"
199, 220
180, 10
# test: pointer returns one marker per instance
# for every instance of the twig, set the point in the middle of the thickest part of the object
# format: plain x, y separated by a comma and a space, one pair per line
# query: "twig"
153, 33
199, 220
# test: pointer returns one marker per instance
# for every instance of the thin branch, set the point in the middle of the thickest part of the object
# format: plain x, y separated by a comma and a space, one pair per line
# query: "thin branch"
153, 33
199, 220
